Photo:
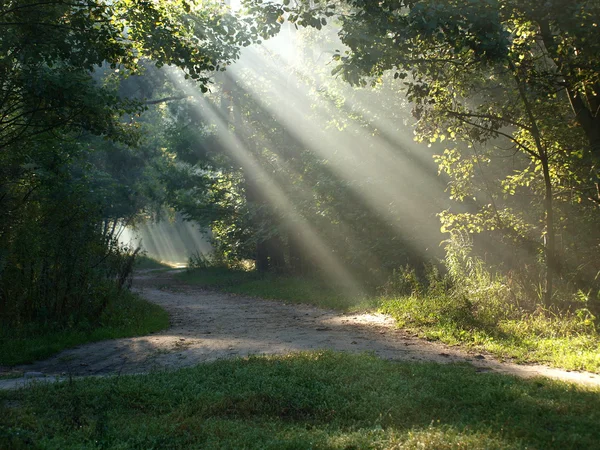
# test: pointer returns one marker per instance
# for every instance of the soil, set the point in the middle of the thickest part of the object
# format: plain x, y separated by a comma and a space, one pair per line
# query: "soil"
208, 325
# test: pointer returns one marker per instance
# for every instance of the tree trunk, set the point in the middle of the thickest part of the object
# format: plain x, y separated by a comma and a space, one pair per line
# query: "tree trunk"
542, 155
276, 255
297, 256
262, 256
253, 201
585, 105
550, 244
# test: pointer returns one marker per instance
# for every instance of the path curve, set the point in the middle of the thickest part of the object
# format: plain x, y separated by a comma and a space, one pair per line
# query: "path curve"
207, 325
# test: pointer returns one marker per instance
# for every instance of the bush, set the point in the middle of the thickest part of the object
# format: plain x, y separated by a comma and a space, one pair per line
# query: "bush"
470, 305
125, 315
61, 271
199, 260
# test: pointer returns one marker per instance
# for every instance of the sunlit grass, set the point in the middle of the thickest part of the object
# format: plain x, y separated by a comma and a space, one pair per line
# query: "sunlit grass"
128, 315
145, 262
279, 287
560, 341
300, 401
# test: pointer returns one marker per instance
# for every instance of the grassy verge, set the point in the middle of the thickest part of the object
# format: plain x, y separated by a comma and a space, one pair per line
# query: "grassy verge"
318, 400
565, 341
279, 287
145, 262
127, 316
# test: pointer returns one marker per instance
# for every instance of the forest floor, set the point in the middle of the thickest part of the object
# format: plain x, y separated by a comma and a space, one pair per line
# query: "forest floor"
208, 325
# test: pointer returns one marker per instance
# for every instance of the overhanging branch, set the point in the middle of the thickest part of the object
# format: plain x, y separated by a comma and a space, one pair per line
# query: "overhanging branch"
166, 99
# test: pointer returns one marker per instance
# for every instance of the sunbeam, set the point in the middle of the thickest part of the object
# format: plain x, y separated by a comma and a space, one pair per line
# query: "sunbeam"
379, 157
324, 257
171, 242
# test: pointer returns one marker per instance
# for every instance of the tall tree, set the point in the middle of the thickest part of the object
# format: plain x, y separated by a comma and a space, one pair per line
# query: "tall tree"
484, 72
62, 191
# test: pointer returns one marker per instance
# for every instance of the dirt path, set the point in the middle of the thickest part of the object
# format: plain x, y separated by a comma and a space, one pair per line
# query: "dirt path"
207, 325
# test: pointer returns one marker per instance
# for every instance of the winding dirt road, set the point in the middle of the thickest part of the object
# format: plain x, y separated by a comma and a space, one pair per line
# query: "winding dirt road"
207, 325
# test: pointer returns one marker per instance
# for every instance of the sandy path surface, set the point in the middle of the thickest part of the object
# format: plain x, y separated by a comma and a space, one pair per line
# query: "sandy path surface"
207, 325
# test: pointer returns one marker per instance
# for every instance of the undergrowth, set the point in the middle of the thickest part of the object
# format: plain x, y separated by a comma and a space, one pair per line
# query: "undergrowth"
472, 306
560, 340
146, 262
279, 287
318, 400
125, 315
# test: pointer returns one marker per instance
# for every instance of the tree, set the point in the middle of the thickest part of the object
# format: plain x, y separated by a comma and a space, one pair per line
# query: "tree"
308, 137
490, 74
65, 129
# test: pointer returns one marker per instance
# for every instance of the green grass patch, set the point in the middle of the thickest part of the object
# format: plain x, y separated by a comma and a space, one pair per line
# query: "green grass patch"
279, 287
560, 340
318, 400
128, 315
145, 262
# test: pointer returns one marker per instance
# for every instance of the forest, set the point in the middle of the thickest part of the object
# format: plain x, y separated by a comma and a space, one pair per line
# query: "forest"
438, 161
114, 114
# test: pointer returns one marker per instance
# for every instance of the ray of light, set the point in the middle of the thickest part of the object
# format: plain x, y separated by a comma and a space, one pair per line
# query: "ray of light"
169, 242
386, 161
303, 194
324, 256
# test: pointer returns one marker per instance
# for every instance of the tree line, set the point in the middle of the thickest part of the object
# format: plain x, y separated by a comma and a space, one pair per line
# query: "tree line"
100, 127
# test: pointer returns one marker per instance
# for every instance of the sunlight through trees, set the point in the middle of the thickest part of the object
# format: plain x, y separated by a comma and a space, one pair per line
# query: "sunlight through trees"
379, 145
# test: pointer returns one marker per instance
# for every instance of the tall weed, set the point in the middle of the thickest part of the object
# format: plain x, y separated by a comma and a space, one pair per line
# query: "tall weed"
469, 304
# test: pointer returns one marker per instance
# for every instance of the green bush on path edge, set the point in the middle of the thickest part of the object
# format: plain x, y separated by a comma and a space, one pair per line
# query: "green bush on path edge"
126, 316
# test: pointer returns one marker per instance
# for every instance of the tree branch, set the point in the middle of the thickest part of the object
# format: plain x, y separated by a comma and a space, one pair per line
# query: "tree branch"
489, 117
506, 135
166, 99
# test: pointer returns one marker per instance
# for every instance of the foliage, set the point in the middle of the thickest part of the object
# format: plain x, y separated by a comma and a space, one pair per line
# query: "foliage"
146, 263
498, 81
70, 177
62, 255
318, 400
199, 261
125, 315
405, 281
473, 307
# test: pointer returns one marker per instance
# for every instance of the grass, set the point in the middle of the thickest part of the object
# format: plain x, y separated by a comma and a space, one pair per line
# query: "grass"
317, 400
279, 287
559, 340
145, 262
128, 316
